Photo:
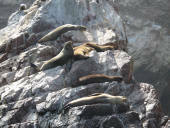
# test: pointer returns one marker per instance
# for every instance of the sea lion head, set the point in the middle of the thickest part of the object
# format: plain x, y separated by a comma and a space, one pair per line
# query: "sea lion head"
68, 46
22, 7
121, 99
81, 28
118, 99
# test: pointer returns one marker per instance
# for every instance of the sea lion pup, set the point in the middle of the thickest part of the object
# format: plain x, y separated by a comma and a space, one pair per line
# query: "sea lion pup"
22, 7
62, 58
95, 98
53, 35
97, 78
82, 51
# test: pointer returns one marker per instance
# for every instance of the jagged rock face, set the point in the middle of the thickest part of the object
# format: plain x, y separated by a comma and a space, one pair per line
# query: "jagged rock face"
30, 99
148, 30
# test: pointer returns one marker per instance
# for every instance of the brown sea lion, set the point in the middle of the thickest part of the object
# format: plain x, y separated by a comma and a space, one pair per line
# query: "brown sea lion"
104, 47
82, 51
97, 78
53, 35
62, 58
96, 99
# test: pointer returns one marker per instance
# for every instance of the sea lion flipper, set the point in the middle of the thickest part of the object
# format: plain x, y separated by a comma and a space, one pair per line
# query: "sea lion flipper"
57, 32
35, 67
65, 108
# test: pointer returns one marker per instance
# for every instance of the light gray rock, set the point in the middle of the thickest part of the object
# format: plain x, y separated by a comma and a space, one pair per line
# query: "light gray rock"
167, 124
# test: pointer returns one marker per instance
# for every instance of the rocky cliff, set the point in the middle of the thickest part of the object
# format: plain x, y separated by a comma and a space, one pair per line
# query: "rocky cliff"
29, 99
7, 7
148, 29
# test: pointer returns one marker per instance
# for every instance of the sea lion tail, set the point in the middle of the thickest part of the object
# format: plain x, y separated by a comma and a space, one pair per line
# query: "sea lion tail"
124, 99
119, 79
35, 67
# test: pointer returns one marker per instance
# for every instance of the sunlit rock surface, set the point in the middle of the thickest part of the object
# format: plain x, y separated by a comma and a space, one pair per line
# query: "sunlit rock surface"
29, 99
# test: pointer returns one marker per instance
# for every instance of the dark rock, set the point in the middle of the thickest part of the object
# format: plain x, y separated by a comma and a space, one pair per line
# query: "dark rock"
3, 57
132, 116
92, 123
89, 111
151, 123
2, 47
122, 108
112, 121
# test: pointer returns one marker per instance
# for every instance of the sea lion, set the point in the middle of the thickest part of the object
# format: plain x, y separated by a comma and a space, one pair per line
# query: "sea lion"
53, 35
62, 58
82, 51
22, 7
97, 78
104, 47
34, 7
96, 98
